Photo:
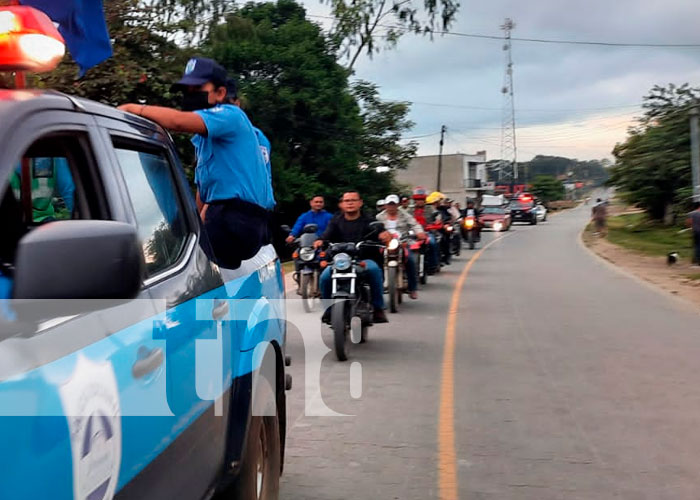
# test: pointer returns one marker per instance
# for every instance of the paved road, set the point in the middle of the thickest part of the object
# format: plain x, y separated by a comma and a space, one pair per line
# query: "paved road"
571, 381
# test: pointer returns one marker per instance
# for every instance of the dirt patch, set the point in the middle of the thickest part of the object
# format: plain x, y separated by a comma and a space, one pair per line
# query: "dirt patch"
680, 279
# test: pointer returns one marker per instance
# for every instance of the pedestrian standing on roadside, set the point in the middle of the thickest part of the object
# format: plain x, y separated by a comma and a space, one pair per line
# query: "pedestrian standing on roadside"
694, 223
600, 217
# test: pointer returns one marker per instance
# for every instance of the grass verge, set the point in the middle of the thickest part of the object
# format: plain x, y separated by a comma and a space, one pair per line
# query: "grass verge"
636, 232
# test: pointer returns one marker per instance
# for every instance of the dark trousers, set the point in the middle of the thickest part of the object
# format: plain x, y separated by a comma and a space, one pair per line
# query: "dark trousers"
696, 244
236, 230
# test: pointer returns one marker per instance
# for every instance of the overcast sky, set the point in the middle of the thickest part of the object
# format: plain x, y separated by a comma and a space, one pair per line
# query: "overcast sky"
574, 101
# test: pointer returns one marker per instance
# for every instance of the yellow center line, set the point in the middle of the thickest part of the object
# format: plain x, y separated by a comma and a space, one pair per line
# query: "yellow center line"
447, 456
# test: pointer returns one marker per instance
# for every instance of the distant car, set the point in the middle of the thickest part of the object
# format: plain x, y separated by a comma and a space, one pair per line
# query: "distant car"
495, 218
522, 209
541, 211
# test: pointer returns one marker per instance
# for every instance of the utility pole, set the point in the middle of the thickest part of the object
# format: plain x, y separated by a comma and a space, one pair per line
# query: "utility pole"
695, 151
442, 143
509, 152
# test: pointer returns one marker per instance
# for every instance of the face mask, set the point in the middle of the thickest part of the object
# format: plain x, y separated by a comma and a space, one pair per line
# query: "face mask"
192, 101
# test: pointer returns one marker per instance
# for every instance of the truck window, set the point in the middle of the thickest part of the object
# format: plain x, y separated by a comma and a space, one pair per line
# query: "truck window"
161, 224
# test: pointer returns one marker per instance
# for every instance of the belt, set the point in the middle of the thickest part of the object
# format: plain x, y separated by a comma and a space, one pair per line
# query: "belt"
242, 206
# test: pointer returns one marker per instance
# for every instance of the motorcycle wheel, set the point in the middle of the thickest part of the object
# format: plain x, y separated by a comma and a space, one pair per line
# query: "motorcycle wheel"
341, 327
307, 292
364, 333
393, 291
422, 272
471, 240
458, 246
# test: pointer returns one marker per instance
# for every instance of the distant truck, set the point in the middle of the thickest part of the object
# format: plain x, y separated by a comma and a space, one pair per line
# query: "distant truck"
489, 200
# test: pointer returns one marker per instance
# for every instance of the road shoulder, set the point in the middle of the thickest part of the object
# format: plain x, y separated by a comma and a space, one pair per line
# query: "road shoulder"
675, 279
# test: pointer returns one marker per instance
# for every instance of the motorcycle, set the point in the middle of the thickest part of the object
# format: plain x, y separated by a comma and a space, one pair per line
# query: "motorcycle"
351, 310
470, 230
420, 249
307, 262
435, 229
455, 238
395, 255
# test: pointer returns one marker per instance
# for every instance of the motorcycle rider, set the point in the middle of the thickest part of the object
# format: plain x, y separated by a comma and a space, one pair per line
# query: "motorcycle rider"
441, 214
405, 200
352, 226
397, 219
423, 213
380, 206
317, 215
472, 211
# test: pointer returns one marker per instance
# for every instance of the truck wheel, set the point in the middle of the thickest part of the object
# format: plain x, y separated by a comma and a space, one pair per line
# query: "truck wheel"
341, 330
259, 477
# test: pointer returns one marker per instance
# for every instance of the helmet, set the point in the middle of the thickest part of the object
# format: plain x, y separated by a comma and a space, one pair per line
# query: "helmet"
434, 196
420, 193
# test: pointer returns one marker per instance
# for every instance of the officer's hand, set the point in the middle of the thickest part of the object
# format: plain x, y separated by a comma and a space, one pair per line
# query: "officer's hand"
318, 243
290, 239
130, 108
385, 237
203, 213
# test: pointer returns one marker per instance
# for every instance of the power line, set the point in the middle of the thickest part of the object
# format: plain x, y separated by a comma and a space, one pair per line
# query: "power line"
539, 40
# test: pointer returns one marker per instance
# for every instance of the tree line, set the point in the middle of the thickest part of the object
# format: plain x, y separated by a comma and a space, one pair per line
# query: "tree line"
652, 166
328, 132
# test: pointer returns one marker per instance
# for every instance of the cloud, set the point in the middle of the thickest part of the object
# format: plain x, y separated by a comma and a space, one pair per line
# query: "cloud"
570, 100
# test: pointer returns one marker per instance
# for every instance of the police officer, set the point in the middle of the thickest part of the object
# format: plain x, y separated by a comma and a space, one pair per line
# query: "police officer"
231, 175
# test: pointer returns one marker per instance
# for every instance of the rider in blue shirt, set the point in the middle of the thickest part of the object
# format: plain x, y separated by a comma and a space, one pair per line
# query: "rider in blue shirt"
231, 175
317, 215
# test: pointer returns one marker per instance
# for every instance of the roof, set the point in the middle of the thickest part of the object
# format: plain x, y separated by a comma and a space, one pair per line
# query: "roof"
21, 102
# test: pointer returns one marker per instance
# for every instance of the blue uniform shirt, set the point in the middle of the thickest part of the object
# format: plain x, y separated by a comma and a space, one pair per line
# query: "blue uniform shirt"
321, 218
230, 163
265, 148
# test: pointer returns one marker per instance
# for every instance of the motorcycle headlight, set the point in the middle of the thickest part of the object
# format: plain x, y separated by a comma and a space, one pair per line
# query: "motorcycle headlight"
449, 229
469, 223
497, 226
307, 254
393, 244
342, 262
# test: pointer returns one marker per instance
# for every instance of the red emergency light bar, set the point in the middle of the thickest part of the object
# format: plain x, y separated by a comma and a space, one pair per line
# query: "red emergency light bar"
28, 40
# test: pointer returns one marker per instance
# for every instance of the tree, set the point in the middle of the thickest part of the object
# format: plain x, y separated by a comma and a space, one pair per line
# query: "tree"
652, 167
384, 122
357, 23
547, 188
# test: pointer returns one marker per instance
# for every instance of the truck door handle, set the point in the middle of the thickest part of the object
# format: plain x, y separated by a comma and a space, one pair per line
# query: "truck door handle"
148, 361
220, 309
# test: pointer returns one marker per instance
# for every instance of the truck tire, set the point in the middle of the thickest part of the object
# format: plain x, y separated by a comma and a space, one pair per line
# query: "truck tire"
259, 477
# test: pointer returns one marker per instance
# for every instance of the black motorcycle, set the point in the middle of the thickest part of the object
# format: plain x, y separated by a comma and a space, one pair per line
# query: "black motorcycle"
470, 229
351, 309
307, 266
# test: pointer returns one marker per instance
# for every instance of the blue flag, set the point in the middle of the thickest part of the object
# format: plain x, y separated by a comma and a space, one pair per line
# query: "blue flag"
82, 25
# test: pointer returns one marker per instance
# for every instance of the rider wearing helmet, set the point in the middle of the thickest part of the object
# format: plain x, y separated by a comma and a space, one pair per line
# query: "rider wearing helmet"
423, 214
441, 213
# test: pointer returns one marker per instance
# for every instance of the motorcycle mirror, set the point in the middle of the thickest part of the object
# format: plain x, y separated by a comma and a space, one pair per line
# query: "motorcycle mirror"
311, 228
285, 228
377, 226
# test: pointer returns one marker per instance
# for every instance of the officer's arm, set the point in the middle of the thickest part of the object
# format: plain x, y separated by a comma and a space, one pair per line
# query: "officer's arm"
168, 118
298, 225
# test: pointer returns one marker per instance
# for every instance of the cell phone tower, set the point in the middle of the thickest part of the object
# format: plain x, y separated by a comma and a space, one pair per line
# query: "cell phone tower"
509, 151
